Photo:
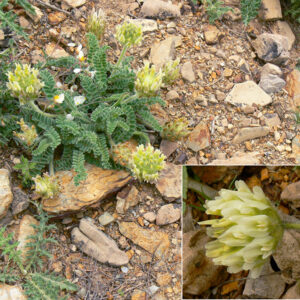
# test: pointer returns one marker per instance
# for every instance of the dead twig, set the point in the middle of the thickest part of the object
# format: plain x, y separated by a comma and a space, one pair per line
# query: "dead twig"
41, 3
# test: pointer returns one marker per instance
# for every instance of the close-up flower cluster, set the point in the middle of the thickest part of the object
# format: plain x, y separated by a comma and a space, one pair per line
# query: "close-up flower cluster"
247, 232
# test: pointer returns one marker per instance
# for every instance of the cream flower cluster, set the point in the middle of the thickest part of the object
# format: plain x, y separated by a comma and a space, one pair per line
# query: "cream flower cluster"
170, 72
129, 34
247, 232
24, 83
96, 23
148, 82
46, 186
28, 134
147, 163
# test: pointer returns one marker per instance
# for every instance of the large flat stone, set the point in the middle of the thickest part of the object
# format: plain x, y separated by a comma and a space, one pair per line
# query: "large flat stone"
248, 93
97, 244
155, 242
98, 185
270, 10
249, 133
199, 138
6, 195
169, 182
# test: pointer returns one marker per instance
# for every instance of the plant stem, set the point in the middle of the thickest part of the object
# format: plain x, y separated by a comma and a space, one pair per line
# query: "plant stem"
38, 110
291, 225
121, 55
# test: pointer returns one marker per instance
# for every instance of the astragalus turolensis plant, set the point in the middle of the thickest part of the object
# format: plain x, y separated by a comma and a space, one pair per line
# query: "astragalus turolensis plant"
247, 232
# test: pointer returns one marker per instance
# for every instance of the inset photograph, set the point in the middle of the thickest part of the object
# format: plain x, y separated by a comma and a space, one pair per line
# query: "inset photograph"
241, 232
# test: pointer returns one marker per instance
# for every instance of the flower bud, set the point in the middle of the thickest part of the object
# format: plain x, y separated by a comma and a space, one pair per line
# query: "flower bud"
28, 134
122, 153
247, 232
24, 83
96, 23
170, 72
175, 130
147, 163
129, 34
148, 82
46, 186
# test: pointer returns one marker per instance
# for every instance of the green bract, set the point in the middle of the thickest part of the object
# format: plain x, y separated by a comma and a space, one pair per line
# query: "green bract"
46, 186
96, 23
170, 72
24, 83
129, 34
148, 82
147, 163
247, 232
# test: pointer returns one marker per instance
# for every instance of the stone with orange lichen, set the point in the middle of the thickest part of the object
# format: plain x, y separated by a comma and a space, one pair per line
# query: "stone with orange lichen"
97, 186
155, 242
199, 138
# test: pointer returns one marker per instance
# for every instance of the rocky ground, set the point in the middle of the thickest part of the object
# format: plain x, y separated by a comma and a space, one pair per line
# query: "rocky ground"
201, 278
117, 239
232, 119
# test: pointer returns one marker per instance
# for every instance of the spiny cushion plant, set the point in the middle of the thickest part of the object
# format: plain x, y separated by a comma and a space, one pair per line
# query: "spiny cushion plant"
247, 231
31, 272
109, 106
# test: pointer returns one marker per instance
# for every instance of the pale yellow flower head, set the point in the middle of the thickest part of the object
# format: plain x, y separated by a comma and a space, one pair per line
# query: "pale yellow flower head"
148, 82
46, 186
170, 72
28, 134
129, 34
147, 163
247, 232
24, 83
96, 23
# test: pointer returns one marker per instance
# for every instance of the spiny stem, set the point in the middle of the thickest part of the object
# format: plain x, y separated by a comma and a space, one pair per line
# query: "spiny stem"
37, 109
291, 225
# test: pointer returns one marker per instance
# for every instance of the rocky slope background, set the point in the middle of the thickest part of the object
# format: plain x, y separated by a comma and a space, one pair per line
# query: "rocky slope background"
238, 94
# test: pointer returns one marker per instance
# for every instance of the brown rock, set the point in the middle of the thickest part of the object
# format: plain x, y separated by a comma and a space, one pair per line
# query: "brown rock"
97, 244
56, 17
211, 34
270, 10
25, 230
10, 292
23, 23
127, 198
155, 242
163, 279
150, 216
213, 174
138, 295
292, 293
199, 271
187, 72
75, 3
293, 88
38, 14
199, 138
169, 182
283, 28
239, 159
2, 35
55, 51
168, 147
287, 255
162, 52
168, 214
272, 48
98, 185
249, 133
159, 9
296, 148
6, 195
292, 194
